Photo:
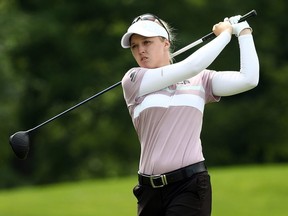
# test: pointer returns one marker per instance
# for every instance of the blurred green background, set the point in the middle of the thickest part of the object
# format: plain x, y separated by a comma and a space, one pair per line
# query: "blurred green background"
54, 54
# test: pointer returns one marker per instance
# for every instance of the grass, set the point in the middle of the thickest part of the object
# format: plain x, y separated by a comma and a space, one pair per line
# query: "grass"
251, 190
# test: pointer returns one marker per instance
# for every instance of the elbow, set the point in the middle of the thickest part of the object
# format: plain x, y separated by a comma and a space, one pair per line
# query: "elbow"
252, 82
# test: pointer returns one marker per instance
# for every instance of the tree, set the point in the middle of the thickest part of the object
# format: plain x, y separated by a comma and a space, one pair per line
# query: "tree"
54, 54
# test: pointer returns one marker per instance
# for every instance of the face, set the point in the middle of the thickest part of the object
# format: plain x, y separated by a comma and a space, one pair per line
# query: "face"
150, 52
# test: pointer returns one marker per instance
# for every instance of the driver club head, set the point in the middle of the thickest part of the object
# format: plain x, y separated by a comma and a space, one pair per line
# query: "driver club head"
20, 144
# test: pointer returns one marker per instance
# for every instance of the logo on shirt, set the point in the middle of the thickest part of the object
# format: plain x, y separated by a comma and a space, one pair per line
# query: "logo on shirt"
184, 82
133, 76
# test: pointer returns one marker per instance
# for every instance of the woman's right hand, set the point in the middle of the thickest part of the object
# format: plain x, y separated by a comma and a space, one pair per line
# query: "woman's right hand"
221, 27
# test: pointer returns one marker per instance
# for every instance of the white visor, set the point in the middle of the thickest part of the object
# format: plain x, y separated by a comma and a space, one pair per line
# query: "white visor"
145, 28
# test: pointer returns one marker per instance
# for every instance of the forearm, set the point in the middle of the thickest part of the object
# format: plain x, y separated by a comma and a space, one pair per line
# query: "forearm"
230, 83
156, 79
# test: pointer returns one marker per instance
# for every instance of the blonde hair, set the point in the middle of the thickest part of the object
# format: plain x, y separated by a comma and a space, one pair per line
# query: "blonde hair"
171, 37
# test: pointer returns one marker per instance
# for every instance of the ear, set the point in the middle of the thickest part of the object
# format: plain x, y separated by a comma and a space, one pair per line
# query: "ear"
167, 44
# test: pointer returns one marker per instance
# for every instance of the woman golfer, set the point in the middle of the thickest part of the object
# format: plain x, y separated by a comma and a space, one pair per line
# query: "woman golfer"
166, 103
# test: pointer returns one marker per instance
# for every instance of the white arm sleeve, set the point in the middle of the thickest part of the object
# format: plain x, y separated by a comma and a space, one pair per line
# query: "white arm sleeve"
234, 82
159, 78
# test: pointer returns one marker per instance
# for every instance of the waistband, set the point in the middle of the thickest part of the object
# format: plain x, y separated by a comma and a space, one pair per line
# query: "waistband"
157, 181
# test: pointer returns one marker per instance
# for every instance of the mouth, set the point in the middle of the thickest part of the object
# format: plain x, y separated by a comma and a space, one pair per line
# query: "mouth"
143, 59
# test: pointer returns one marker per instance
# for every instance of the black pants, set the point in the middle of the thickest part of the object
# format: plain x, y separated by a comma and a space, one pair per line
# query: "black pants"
189, 197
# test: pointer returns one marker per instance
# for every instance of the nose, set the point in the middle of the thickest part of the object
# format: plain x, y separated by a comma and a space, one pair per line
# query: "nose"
141, 49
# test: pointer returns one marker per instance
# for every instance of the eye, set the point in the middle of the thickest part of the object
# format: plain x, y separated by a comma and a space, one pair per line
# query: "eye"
147, 42
133, 46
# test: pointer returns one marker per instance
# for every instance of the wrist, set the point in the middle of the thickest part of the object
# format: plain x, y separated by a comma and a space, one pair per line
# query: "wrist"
245, 31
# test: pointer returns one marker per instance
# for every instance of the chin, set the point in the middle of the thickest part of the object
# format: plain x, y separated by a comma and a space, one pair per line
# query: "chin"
147, 65
144, 65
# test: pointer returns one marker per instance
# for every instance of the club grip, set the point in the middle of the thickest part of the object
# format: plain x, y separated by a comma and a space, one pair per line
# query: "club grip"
242, 18
248, 15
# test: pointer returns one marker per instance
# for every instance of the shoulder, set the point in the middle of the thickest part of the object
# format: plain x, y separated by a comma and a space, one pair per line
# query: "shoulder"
133, 76
130, 75
131, 83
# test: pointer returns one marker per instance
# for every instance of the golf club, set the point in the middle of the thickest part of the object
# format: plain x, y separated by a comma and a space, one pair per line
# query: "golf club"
19, 141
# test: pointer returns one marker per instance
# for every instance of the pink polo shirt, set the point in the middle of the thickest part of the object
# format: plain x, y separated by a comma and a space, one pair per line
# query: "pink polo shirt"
169, 121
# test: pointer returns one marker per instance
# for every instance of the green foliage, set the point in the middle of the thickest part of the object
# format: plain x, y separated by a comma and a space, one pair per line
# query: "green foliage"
54, 54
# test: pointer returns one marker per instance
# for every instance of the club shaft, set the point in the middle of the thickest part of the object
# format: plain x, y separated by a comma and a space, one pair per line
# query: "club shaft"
75, 106
184, 49
211, 35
